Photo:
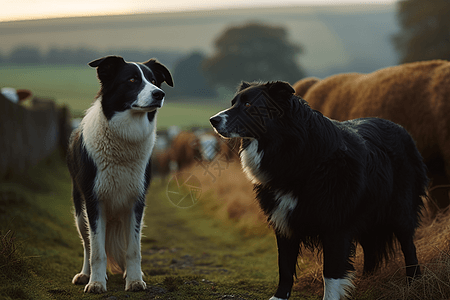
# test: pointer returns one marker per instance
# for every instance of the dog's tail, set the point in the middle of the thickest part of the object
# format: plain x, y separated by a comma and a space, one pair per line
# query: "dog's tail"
117, 235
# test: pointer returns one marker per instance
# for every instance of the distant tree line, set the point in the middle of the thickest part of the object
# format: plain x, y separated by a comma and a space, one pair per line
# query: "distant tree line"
29, 54
253, 51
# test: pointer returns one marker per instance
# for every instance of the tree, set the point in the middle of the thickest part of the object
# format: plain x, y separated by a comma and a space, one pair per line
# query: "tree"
25, 55
189, 78
425, 30
253, 52
72, 56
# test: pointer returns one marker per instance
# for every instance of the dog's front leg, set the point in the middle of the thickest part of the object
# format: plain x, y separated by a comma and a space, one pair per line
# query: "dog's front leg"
337, 268
97, 230
288, 249
134, 281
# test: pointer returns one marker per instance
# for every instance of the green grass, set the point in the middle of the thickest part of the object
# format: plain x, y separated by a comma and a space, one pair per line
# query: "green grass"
186, 254
77, 86
186, 114
72, 85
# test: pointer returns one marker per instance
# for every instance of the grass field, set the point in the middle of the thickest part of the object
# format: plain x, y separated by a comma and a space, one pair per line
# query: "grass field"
219, 248
186, 254
77, 86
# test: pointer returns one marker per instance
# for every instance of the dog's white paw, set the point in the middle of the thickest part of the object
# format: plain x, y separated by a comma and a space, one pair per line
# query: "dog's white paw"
276, 298
135, 286
80, 278
95, 287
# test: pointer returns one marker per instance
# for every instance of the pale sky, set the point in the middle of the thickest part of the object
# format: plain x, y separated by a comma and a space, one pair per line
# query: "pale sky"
11, 10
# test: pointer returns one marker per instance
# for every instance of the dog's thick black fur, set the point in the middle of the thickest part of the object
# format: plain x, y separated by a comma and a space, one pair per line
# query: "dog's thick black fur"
326, 184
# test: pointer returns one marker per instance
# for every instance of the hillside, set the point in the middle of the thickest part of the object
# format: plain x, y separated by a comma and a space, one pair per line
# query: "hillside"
335, 38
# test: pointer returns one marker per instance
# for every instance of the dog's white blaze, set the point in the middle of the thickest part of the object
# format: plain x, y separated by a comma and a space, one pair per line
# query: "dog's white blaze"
251, 160
336, 289
145, 97
222, 128
121, 149
286, 203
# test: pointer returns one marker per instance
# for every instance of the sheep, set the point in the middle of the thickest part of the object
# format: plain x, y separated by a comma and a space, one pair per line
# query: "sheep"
414, 95
15, 96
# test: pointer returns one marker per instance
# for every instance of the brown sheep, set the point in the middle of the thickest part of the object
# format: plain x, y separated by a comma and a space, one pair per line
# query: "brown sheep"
414, 95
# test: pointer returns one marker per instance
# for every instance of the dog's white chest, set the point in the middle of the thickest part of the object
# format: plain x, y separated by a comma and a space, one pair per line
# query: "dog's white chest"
120, 179
121, 164
285, 204
118, 185
251, 162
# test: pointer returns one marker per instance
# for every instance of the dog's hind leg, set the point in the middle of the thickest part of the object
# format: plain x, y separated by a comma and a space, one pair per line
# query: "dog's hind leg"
83, 276
134, 281
83, 230
409, 252
288, 249
337, 266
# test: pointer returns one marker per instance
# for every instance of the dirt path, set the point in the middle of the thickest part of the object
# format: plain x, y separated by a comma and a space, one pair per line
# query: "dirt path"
187, 255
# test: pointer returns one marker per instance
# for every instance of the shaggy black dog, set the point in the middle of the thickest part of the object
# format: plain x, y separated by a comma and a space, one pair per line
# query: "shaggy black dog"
326, 184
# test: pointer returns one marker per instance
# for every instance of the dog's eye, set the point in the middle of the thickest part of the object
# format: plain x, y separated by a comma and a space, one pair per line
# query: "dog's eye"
132, 79
247, 104
153, 81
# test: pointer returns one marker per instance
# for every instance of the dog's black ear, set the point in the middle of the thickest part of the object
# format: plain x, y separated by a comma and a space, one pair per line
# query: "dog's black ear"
107, 66
243, 86
160, 71
279, 87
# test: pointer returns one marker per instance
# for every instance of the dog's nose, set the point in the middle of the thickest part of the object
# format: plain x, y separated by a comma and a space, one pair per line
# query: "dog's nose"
158, 95
215, 121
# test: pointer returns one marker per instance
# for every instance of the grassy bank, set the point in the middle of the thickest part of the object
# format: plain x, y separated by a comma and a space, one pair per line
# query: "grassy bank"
186, 254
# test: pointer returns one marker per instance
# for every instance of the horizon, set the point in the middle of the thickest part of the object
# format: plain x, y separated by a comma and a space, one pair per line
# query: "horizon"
38, 10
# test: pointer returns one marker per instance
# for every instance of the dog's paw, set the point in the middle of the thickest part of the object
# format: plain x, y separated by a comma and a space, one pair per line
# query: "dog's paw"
95, 287
135, 286
80, 278
276, 298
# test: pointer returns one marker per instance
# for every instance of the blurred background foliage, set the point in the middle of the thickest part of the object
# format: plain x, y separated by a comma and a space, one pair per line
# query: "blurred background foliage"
424, 30
254, 52
210, 52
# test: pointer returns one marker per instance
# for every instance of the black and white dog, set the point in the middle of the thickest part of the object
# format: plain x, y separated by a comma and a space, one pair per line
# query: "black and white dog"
109, 162
326, 184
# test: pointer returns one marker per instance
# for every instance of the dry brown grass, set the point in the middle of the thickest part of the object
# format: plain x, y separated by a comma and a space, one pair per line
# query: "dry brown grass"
233, 196
8, 250
234, 202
